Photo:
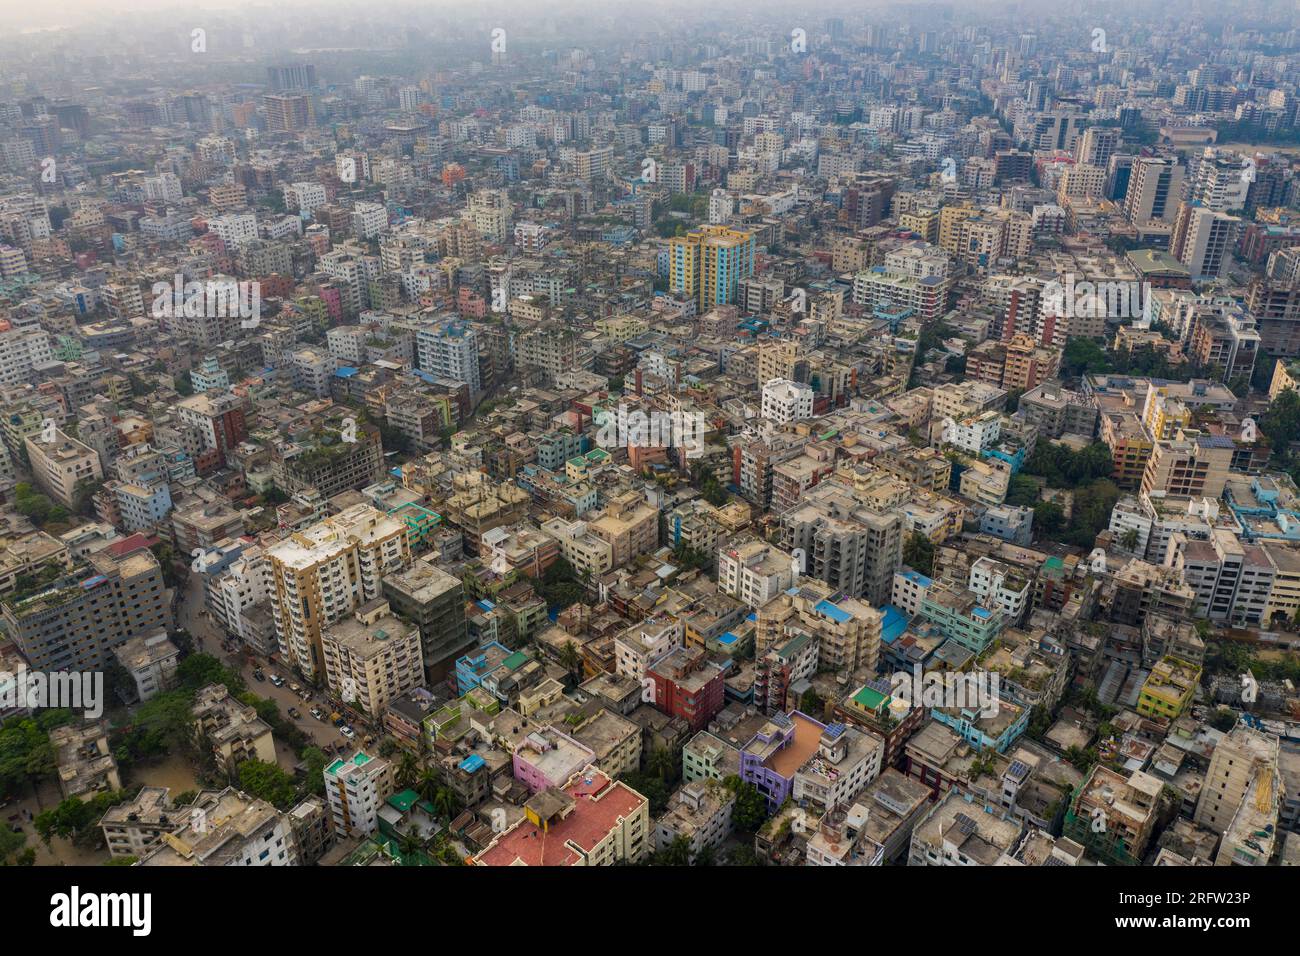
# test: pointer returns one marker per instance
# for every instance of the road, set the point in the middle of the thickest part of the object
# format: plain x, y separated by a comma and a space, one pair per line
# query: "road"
207, 639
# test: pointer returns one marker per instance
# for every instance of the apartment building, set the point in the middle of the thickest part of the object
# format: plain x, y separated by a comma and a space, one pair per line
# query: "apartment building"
227, 828
435, 601
76, 621
846, 544
232, 728
60, 464
700, 813
754, 572
1241, 758
355, 790
628, 524
590, 821
322, 574
372, 658
785, 401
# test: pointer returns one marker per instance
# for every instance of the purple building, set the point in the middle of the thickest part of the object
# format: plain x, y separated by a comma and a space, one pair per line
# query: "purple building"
774, 755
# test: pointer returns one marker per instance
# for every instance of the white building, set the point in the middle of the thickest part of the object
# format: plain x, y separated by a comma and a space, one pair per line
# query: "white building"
1000, 587
355, 789
754, 572
785, 401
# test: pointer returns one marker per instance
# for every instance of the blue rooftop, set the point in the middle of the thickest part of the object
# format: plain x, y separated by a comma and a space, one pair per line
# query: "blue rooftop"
728, 639
833, 612
894, 624
345, 371
471, 763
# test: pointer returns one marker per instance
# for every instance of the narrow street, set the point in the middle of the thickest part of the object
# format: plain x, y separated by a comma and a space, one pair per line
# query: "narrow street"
207, 639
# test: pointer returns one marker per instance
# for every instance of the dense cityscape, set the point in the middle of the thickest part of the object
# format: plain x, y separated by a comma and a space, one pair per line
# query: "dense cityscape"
596, 435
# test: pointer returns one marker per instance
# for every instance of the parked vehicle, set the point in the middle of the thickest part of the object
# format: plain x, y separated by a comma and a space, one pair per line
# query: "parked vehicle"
316, 712
277, 680
258, 675
295, 713
348, 732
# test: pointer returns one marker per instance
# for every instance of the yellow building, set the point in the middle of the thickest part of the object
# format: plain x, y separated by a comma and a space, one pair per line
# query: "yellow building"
1284, 376
708, 264
620, 328
1169, 688
629, 525
923, 222
950, 220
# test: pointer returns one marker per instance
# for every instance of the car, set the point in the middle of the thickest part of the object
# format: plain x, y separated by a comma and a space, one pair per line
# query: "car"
295, 688
277, 680
317, 713
294, 713
258, 675
347, 732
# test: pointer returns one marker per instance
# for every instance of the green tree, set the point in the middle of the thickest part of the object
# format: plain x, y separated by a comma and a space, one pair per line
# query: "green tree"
1049, 518
1083, 356
314, 762
676, 853
661, 763
1023, 491
407, 772
750, 809
267, 782
918, 553
571, 659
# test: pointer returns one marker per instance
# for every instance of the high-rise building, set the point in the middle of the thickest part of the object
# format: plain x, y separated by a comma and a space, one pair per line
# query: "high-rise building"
372, 657
435, 601
1154, 188
449, 351
708, 264
77, 621
299, 76
321, 575
288, 112
1202, 240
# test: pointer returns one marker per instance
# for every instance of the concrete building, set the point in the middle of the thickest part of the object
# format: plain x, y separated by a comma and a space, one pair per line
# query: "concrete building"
785, 401
700, 813
754, 572
232, 728
151, 661
84, 762
435, 601
227, 828
355, 790
591, 821
77, 621
324, 573
372, 657
60, 464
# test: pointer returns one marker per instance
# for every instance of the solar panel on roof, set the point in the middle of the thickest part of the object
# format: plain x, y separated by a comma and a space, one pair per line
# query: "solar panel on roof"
965, 825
